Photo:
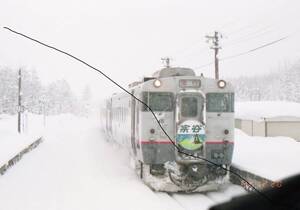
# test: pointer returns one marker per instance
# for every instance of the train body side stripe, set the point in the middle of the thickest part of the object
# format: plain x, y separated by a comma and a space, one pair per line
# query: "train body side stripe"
156, 142
169, 142
219, 142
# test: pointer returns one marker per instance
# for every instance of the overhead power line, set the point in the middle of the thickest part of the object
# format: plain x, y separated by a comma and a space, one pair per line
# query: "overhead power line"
257, 48
256, 34
250, 36
244, 53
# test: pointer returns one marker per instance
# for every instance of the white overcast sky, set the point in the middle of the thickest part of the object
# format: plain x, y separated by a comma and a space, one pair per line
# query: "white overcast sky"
126, 39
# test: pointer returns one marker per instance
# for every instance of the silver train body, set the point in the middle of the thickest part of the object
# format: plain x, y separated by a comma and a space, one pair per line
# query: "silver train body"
196, 112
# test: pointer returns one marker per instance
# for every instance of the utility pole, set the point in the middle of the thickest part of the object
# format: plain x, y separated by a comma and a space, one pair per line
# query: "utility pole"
215, 46
19, 100
166, 61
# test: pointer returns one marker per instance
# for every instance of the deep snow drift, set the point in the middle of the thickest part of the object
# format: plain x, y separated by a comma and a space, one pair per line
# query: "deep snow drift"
270, 157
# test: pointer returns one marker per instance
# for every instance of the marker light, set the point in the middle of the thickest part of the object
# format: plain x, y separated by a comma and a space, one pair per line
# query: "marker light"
221, 83
157, 83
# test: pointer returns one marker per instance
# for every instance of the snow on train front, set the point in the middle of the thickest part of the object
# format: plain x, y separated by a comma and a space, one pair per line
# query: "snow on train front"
197, 117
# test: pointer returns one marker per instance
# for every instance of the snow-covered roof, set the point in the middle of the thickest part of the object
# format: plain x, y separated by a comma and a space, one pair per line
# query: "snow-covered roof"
257, 110
174, 71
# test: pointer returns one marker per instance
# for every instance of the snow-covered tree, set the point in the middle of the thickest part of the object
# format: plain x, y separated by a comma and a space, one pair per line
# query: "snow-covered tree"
282, 84
86, 101
60, 98
8, 91
32, 91
55, 98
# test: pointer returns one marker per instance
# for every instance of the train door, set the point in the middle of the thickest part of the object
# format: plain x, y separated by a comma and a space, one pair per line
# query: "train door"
137, 121
190, 126
133, 123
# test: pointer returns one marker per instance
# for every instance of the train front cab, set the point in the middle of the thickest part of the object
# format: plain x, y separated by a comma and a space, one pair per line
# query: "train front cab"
199, 121
210, 123
190, 126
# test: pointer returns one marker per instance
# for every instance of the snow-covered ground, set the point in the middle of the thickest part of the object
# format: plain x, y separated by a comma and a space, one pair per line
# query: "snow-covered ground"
270, 157
74, 168
33, 126
256, 110
11, 143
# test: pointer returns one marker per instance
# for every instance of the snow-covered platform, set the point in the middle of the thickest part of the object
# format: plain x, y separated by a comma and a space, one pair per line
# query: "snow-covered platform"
12, 143
273, 158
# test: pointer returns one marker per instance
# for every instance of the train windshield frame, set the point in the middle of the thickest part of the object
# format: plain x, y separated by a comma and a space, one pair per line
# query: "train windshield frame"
220, 102
158, 101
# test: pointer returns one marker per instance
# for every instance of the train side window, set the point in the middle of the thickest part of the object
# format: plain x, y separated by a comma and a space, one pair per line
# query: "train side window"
158, 101
220, 102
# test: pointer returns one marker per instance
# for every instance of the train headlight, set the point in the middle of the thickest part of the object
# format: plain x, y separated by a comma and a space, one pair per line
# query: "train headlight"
157, 83
221, 83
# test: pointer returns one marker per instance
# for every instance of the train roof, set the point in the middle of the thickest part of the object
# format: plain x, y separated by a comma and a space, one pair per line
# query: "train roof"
173, 72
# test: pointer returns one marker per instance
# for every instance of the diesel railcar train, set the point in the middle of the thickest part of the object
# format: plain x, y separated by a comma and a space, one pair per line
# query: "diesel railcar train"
196, 112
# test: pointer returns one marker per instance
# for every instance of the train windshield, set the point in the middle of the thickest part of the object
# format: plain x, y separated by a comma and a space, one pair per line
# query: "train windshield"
189, 106
158, 101
220, 102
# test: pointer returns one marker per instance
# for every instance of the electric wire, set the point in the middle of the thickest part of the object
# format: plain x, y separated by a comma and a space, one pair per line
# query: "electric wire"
255, 49
250, 36
244, 53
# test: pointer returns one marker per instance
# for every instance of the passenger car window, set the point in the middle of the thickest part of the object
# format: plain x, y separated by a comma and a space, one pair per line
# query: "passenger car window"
220, 102
158, 101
